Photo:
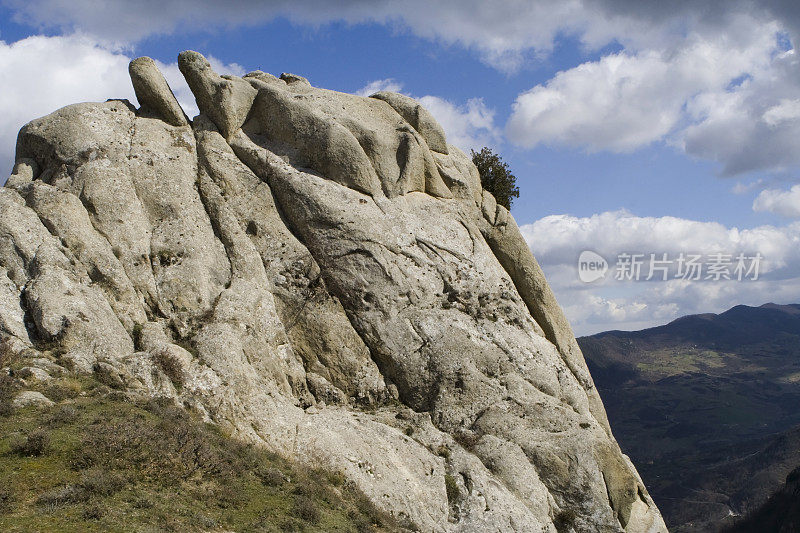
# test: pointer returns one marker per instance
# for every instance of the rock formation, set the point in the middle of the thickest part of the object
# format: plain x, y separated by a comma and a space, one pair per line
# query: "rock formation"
320, 273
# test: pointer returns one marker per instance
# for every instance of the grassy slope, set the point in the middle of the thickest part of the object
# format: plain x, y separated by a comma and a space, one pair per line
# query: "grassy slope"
98, 462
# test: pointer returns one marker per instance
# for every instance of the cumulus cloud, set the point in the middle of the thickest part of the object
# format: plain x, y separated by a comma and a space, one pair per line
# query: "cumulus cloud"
784, 203
630, 99
753, 126
500, 32
606, 104
644, 306
51, 72
558, 240
388, 84
503, 33
468, 126
785, 111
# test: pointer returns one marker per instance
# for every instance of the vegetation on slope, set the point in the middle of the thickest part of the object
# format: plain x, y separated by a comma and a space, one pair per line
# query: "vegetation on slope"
706, 408
780, 513
96, 461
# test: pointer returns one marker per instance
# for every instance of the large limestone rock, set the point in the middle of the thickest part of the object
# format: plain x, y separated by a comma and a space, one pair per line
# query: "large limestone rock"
322, 274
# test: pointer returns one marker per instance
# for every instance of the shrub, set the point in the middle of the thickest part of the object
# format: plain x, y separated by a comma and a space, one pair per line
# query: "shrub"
565, 519
60, 496
8, 387
174, 471
496, 177
136, 335
35, 444
101, 482
335, 478
63, 389
171, 366
142, 502
94, 511
64, 414
291, 526
306, 509
370, 514
271, 477
443, 451
467, 438
451, 487
7, 499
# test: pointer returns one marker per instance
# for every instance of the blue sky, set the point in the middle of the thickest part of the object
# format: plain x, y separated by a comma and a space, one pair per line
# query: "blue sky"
629, 128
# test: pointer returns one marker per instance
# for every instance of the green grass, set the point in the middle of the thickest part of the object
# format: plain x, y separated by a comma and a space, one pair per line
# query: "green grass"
96, 462
659, 363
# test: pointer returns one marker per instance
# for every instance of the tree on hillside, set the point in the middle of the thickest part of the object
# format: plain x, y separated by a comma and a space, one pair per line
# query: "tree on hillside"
496, 176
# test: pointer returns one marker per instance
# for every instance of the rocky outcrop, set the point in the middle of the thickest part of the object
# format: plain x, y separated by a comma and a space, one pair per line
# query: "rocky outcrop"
320, 273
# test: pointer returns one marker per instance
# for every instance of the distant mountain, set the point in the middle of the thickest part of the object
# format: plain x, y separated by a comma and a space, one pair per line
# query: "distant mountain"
781, 513
707, 407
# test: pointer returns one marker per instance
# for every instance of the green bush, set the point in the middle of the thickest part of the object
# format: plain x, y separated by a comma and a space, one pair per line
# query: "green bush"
443, 451
35, 444
7, 499
170, 366
101, 482
64, 414
451, 487
271, 477
496, 177
94, 511
306, 509
8, 388
59, 496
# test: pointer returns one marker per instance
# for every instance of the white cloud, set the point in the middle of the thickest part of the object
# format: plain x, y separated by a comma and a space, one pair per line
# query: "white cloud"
45, 73
500, 32
504, 33
468, 126
388, 84
558, 239
648, 305
784, 203
786, 110
611, 304
603, 105
744, 187
727, 93
751, 126
627, 100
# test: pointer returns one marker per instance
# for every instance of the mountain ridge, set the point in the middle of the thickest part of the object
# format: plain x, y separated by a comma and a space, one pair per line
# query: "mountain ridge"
704, 404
